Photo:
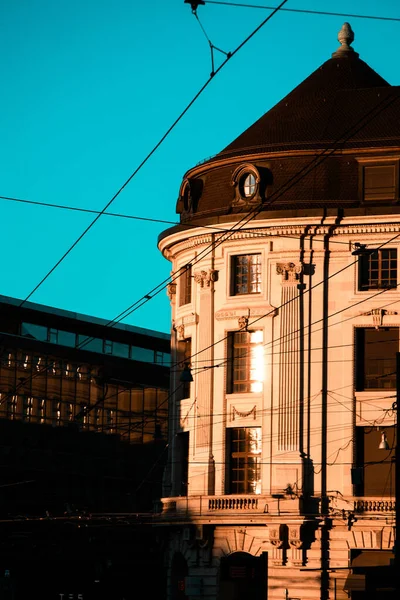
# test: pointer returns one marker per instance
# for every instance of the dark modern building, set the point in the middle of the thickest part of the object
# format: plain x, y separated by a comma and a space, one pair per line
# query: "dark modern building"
83, 433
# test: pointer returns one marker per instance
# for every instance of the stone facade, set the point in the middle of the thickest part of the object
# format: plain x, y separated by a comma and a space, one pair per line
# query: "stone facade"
278, 301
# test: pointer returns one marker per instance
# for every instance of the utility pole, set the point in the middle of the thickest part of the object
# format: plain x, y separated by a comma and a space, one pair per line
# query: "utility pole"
397, 473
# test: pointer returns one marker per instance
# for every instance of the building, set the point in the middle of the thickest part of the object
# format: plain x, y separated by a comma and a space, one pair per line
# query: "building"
83, 435
286, 316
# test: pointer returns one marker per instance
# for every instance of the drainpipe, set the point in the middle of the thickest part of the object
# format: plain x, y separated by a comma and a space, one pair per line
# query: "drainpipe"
325, 537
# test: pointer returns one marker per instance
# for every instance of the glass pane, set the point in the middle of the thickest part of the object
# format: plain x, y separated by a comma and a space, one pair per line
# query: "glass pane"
38, 332
88, 343
121, 349
142, 354
67, 338
381, 346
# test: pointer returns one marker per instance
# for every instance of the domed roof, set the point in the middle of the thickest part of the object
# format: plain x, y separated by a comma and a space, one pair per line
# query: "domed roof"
342, 111
318, 109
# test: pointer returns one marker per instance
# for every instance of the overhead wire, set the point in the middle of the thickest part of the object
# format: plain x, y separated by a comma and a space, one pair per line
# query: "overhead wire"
306, 11
99, 214
152, 293
295, 299
382, 105
152, 151
213, 228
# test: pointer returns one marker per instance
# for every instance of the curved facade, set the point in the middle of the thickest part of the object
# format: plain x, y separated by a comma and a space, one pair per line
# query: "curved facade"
286, 316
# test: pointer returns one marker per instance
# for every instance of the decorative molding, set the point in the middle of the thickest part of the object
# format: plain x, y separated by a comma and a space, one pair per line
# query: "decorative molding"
180, 330
377, 315
171, 290
276, 536
191, 319
281, 231
237, 176
295, 537
243, 414
290, 272
235, 314
180, 324
243, 322
278, 541
204, 278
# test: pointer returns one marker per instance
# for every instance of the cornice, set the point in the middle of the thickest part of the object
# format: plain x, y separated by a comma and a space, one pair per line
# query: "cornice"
244, 313
176, 245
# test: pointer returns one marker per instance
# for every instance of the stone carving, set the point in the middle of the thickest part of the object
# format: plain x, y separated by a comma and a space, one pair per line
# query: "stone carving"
278, 541
171, 290
276, 536
243, 414
204, 278
295, 540
290, 272
378, 314
180, 330
243, 322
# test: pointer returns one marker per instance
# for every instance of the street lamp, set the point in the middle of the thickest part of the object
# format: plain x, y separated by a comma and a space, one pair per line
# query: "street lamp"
384, 445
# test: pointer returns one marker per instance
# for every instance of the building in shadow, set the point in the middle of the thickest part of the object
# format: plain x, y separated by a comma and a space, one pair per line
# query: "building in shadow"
83, 434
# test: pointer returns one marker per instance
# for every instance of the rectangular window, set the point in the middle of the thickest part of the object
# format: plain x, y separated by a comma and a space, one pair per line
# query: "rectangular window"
67, 338
120, 349
378, 270
246, 274
37, 332
185, 285
245, 361
380, 181
27, 408
12, 403
42, 410
375, 466
142, 354
184, 358
376, 358
85, 342
244, 460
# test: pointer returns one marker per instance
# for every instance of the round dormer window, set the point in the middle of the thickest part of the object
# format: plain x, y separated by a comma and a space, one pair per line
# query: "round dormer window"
249, 185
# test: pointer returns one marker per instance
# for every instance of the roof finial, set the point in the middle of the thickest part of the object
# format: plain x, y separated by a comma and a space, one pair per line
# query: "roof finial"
345, 37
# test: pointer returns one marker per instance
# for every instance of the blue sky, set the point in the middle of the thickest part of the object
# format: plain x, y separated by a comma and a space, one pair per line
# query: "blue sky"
89, 88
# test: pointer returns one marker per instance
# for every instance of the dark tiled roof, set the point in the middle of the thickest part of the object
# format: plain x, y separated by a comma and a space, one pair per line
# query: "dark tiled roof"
319, 110
343, 105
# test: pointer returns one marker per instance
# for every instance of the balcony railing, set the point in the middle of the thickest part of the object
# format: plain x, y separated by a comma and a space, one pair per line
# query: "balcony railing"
233, 507
259, 507
374, 505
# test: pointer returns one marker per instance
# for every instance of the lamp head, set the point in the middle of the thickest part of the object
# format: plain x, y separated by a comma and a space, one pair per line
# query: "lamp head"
384, 445
186, 375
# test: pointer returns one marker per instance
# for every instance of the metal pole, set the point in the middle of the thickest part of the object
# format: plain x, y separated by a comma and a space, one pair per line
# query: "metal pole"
397, 471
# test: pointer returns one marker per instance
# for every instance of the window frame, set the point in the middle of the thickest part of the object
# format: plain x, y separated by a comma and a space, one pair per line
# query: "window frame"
235, 384
185, 285
365, 269
184, 348
248, 185
361, 376
370, 197
236, 282
238, 460
376, 477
